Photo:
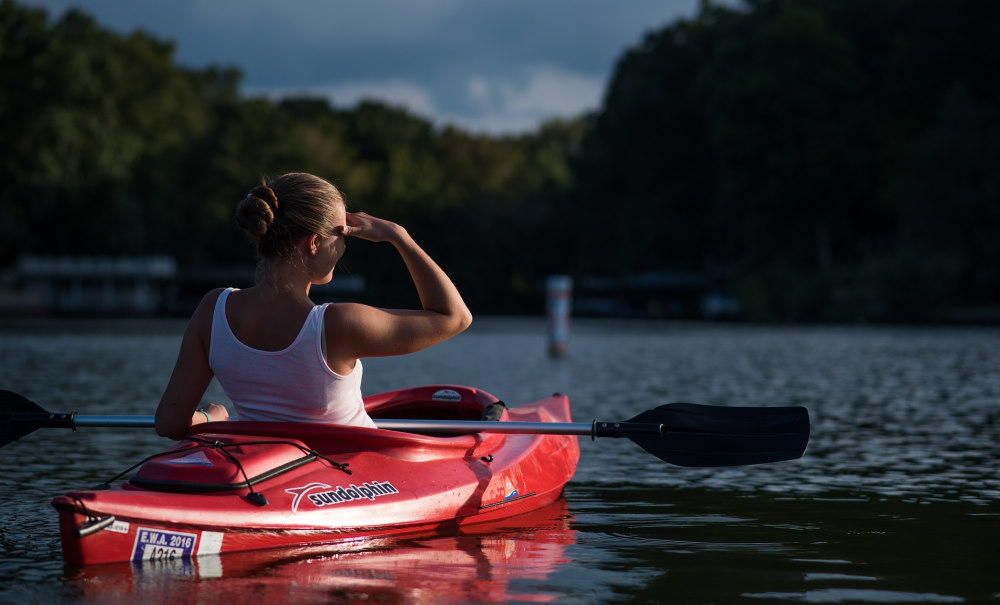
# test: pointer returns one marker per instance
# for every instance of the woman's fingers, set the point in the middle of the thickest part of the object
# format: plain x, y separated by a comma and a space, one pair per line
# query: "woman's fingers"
365, 226
217, 412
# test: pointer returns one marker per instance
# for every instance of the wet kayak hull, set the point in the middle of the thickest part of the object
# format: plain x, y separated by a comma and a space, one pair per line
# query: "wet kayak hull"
242, 486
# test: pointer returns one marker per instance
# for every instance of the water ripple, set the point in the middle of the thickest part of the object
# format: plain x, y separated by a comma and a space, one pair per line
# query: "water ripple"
895, 500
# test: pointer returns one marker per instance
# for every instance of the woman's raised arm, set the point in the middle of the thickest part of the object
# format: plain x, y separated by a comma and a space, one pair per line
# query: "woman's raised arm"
356, 330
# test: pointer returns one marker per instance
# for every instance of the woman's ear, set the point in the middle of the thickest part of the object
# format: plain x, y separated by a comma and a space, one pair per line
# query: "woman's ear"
312, 244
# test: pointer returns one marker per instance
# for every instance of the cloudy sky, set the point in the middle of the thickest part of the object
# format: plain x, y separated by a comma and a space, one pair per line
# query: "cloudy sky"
486, 65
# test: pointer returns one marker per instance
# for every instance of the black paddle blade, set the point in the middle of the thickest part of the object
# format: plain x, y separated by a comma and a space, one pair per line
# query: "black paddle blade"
13, 410
20, 416
706, 435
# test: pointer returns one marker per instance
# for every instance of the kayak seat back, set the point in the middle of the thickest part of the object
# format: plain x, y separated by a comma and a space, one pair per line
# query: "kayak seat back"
432, 402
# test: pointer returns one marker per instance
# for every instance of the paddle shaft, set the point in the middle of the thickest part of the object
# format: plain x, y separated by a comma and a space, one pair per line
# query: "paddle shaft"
594, 429
684, 434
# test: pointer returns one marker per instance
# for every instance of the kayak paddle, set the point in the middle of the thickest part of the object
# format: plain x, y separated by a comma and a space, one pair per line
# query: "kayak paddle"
684, 434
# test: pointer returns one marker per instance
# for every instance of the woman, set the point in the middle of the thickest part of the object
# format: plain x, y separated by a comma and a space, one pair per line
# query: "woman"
278, 356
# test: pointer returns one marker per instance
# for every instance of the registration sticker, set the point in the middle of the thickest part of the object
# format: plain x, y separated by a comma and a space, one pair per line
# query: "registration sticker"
157, 544
119, 527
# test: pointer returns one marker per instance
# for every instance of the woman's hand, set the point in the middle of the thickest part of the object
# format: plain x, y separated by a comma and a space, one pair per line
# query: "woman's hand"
368, 227
216, 412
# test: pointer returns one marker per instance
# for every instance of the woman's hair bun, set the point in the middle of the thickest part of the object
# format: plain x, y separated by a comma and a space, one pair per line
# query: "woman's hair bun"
309, 204
256, 212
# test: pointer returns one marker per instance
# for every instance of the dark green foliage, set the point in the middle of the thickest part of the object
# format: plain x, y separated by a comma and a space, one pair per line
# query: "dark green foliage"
823, 159
832, 159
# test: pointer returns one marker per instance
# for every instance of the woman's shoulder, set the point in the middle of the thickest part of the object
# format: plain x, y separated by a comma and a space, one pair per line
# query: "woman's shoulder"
200, 324
341, 316
344, 322
206, 308
210, 299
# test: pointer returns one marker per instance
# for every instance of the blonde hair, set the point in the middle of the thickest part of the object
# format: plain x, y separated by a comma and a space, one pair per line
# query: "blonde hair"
277, 214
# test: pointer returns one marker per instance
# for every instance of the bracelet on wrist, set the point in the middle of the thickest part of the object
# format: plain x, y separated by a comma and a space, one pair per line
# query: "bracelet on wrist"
207, 417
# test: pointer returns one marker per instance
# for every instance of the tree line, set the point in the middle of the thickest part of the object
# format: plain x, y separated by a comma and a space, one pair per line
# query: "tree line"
835, 159
818, 159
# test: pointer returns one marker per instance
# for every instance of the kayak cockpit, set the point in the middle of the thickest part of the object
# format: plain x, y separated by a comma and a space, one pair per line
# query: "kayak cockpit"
232, 455
434, 402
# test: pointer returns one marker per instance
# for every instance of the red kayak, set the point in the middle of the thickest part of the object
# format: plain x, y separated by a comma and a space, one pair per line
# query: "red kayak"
241, 486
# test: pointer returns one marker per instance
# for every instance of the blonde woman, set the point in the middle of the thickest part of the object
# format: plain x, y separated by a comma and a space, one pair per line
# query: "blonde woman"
277, 355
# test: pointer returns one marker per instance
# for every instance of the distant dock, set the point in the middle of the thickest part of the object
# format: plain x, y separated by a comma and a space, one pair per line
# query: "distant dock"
127, 286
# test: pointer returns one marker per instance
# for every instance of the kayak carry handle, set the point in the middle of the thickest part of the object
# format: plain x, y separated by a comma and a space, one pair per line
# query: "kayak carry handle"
93, 526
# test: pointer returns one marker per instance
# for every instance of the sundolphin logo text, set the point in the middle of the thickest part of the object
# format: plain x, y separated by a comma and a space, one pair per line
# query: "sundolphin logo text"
354, 492
340, 493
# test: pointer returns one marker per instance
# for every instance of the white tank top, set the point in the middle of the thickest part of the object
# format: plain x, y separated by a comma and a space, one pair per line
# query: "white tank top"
294, 384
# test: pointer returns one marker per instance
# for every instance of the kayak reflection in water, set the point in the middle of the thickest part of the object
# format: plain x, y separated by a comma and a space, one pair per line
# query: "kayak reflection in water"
277, 355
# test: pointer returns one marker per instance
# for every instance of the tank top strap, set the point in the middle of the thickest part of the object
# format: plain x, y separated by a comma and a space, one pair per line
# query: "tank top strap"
318, 318
220, 306
219, 322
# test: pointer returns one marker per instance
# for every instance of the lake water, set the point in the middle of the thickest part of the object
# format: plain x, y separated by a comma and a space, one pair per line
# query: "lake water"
897, 499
